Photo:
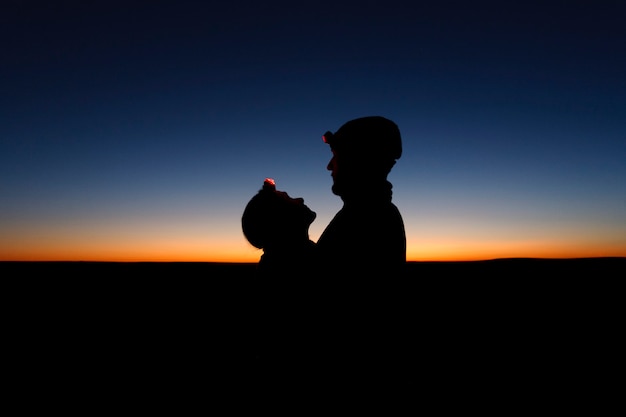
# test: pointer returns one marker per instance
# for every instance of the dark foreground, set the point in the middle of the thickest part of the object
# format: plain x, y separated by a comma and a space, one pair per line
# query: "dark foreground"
506, 327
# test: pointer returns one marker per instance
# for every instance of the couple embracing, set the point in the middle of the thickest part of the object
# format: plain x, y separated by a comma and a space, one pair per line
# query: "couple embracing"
366, 236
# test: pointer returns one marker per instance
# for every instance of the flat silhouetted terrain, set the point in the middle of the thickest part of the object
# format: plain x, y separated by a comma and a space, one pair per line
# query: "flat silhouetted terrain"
166, 326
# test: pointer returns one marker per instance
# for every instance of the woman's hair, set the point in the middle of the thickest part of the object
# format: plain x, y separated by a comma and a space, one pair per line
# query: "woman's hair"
258, 218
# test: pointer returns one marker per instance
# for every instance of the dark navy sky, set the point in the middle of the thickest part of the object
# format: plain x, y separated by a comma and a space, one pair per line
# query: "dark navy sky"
138, 130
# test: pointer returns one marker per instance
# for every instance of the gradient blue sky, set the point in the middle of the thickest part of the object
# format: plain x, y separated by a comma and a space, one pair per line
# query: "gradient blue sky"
138, 130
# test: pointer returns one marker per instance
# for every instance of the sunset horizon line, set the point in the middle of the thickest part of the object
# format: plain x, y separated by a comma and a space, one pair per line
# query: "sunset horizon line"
510, 258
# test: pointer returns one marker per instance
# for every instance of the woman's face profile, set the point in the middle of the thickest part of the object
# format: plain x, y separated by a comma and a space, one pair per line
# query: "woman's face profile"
297, 207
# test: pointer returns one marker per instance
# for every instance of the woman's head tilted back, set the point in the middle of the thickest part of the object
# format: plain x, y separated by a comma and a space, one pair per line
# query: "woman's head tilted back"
272, 219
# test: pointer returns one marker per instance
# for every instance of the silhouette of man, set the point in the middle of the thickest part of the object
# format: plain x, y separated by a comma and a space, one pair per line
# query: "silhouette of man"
367, 235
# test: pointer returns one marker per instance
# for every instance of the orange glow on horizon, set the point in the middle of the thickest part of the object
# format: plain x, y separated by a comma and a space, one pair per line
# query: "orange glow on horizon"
237, 251
188, 243
476, 251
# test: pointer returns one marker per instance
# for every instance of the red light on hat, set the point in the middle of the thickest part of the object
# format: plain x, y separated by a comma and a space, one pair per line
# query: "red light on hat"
327, 137
269, 184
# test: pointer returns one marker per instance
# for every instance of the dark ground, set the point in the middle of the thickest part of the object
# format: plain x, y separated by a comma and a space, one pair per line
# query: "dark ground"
523, 327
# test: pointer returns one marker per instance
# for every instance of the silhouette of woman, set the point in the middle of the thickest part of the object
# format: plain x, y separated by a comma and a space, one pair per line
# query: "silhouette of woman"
279, 224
